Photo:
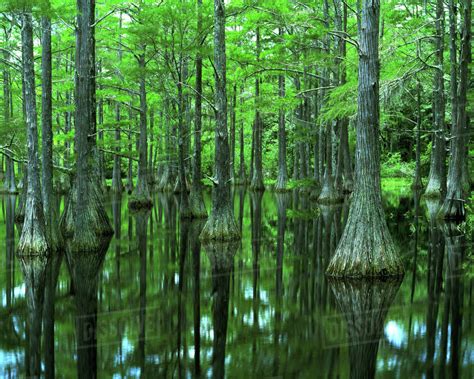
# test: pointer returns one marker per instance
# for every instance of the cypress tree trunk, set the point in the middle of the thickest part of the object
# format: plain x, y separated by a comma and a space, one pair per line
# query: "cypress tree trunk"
196, 199
184, 209
453, 206
344, 180
117, 186
9, 179
141, 195
328, 193
282, 178
85, 218
51, 218
232, 132
437, 179
221, 223
33, 239
366, 247
257, 177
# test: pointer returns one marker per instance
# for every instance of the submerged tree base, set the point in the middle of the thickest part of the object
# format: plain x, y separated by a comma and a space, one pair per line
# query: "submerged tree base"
33, 240
137, 202
366, 248
221, 227
97, 225
196, 204
453, 209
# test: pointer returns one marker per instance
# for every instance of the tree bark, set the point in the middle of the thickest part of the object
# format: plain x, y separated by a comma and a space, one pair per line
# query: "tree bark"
366, 248
257, 177
282, 178
221, 224
196, 199
437, 179
33, 239
141, 195
117, 186
328, 194
51, 218
85, 218
453, 206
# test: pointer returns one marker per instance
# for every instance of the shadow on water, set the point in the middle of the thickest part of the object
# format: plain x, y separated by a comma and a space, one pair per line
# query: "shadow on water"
159, 304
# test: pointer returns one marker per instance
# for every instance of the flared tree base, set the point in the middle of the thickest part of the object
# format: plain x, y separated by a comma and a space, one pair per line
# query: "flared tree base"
138, 202
453, 208
220, 227
366, 248
196, 204
329, 194
433, 189
94, 220
33, 239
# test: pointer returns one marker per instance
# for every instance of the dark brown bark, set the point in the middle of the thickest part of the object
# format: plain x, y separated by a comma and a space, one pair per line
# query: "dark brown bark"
453, 207
366, 247
221, 223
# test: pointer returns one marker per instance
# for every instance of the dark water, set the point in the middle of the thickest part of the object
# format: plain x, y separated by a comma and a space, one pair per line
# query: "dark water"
156, 303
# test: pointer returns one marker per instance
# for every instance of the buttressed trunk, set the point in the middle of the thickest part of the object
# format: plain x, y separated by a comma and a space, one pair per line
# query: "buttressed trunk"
366, 247
221, 224
84, 210
33, 239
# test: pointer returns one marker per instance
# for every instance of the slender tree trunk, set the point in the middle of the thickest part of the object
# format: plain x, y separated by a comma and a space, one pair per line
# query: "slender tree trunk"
9, 180
282, 178
453, 207
141, 195
257, 177
344, 180
329, 194
417, 185
232, 132
221, 224
33, 239
366, 248
437, 179
196, 199
184, 208
117, 186
51, 218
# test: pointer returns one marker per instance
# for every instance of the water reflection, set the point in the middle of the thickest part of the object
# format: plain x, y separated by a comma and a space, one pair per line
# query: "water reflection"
161, 305
364, 305
85, 268
221, 257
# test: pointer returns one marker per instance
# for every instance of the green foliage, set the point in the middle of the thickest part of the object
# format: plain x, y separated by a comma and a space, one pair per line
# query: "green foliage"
393, 166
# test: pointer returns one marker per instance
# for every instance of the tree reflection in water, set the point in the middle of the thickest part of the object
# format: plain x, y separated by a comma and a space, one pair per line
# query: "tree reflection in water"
364, 305
221, 257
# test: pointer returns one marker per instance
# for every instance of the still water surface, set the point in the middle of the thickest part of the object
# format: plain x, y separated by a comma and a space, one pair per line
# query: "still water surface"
155, 303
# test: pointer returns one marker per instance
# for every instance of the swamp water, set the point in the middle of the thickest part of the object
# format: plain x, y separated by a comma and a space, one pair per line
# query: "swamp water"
156, 303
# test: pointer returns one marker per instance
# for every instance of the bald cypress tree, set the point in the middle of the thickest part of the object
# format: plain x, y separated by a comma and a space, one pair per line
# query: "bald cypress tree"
221, 224
33, 240
366, 247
